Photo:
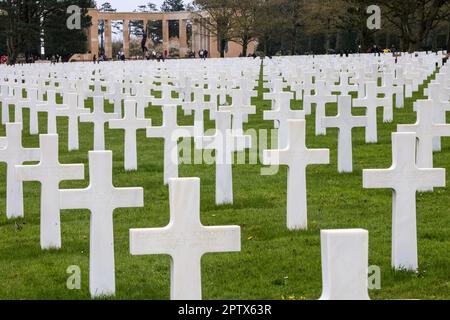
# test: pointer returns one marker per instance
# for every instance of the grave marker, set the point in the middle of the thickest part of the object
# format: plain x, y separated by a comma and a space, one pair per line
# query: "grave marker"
130, 124
101, 198
14, 154
49, 172
405, 179
185, 239
297, 157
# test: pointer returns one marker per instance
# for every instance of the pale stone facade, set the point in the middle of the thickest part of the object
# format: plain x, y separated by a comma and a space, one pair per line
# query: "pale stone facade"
202, 38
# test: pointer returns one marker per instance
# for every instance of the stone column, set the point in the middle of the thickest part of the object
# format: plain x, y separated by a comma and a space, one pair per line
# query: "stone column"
214, 52
165, 27
93, 37
126, 38
183, 38
195, 38
108, 39
201, 34
208, 39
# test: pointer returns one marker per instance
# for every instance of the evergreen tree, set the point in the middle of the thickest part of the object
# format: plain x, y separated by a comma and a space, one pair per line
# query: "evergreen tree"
173, 6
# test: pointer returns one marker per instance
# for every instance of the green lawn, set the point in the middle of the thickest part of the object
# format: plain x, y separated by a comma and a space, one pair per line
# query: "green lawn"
274, 263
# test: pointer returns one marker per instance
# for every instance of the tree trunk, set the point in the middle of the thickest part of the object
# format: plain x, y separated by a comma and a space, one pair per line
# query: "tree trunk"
266, 40
309, 43
223, 44
244, 47
338, 41
388, 40
448, 37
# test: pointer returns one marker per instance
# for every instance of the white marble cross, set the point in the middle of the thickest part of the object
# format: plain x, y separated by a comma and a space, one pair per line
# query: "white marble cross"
73, 113
322, 95
3, 142
297, 157
171, 132
371, 102
14, 154
185, 239
344, 86
278, 98
31, 103
130, 124
99, 117
199, 106
320, 99
101, 198
116, 97
345, 264
6, 97
405, 178
345, 122
239, 111
50, 107
282, 116
16, 100
98, 89
142, 99
225, 142
440, 109
426, 130
166, 97
49, 172
390, 90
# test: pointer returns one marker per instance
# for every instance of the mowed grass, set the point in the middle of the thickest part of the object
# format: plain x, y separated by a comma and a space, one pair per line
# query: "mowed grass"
274, 263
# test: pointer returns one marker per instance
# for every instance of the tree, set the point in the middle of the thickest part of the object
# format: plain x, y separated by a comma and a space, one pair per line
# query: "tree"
138, 29
416, 20
22, 28
220, 21
105, 7
244, 27
353, 16
58, 38
172, 6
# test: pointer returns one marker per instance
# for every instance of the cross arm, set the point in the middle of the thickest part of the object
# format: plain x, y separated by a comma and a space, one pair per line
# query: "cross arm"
223, 239
360, 121
155, 132
360, 103
275, 157
86, 117
183, 132
377, 179
433, 178
151, 241
242, 142
441, 130
117, 124
28, 173
72, 172
129, 197
271, 115
318, 156
32, 154
207, 142
331, 122
446, 106
74, 199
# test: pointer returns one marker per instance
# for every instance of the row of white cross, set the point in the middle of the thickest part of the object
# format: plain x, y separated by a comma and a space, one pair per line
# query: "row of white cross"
101, 197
